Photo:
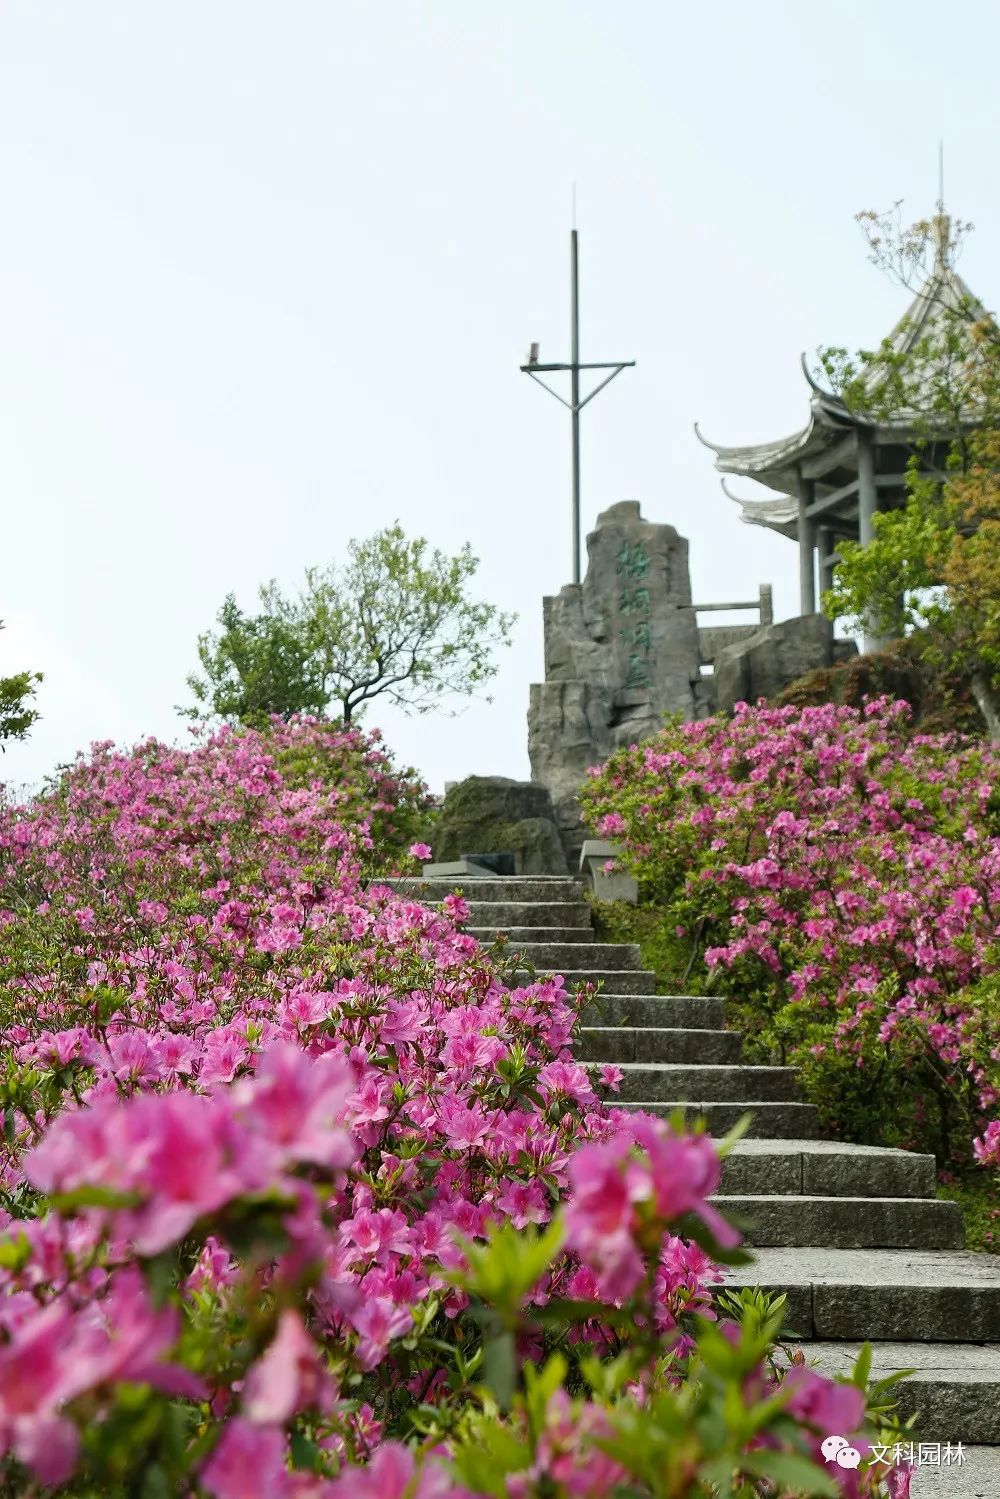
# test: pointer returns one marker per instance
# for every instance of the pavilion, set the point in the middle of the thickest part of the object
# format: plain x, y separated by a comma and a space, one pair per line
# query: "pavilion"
832, 476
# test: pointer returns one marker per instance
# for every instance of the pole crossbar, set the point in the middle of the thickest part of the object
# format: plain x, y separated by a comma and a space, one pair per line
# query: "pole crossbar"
574, 405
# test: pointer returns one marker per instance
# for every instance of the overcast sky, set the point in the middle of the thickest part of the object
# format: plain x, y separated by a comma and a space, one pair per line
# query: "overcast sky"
268, 270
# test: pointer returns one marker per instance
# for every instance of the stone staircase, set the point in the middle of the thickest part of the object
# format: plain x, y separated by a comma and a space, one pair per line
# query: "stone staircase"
853, 1235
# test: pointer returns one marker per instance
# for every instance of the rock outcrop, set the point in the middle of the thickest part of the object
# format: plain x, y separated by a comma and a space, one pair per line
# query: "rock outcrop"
764, 664
494, 814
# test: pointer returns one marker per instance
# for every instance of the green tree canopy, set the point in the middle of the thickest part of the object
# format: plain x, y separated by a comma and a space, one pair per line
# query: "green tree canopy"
16, 714
395, 620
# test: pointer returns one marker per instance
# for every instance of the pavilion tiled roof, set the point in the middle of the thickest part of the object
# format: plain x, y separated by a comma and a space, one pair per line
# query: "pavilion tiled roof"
775, 464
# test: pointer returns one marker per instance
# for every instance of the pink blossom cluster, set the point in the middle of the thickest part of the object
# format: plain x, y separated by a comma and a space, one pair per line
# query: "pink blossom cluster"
988, 1147
234, 1055
826, 858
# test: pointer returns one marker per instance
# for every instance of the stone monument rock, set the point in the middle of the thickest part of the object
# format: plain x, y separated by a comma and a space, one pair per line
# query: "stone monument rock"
621, 652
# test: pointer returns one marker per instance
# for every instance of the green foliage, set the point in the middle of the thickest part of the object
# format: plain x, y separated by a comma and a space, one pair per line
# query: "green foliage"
395, 621
979, 1200
256, 666
723, 1428
16, 713
939, 696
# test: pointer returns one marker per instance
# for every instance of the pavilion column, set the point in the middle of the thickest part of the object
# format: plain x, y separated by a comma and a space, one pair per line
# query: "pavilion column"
807, 546
867, 493
827, 548
867, 506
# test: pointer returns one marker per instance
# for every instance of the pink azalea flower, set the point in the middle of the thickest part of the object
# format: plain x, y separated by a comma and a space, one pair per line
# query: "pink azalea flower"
247, 1463
288, 1377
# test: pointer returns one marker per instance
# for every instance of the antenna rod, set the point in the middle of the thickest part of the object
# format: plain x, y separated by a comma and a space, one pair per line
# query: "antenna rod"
536, 369
575, 376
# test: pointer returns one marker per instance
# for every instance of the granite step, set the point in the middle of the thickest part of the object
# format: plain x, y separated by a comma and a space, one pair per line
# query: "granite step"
617, 981
519, 888
518, 936
977, 1477
514, 913
826, 1168
848, 1222
889, 1295
556, 957
616, 1043
772, 1121
954, 1386
710, 1084
683, 1011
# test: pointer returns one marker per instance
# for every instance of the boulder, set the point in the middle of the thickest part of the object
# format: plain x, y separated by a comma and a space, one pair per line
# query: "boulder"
764, 664
494, 814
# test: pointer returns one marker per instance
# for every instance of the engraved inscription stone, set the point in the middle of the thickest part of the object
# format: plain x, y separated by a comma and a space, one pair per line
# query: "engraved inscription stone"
621, 652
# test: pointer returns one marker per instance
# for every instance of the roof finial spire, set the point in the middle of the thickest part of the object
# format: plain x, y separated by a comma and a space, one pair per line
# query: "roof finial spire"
942, 223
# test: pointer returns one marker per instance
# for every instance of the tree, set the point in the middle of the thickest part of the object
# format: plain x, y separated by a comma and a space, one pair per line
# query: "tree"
932, 571
16, 716
396, 620
255, 666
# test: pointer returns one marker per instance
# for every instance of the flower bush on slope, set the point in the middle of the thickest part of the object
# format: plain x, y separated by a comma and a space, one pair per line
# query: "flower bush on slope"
283, 1155
841, 883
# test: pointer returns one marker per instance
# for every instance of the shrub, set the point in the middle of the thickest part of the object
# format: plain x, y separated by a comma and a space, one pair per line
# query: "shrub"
838, 879
301, 1197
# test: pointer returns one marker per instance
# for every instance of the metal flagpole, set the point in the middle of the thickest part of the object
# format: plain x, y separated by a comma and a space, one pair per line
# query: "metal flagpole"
575, 405
575, 395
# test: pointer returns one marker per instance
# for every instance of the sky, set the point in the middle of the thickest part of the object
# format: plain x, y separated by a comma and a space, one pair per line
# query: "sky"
267, 272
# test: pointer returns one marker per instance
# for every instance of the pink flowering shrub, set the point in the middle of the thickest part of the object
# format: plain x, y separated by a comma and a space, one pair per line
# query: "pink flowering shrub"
301, 1195
839, 881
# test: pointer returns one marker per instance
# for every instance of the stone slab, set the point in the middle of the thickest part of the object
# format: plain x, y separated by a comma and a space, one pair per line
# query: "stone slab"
661, 1080
463, 868
601, 956
977, 1478
848, 1222
518, 937
492, 888
955, 1387
827, 1168
889, 1294
619, 981
697, 1012
514, 913
663, 1044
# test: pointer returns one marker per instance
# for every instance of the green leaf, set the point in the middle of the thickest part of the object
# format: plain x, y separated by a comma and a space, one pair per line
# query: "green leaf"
500, 1368
93, 1197
790, 1470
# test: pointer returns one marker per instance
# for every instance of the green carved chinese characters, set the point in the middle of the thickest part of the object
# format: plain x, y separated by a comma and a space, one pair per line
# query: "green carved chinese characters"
633, 561
632, 566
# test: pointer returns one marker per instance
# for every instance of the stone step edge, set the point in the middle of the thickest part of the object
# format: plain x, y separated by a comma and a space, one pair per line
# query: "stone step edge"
661, 1030
713, 1067
954, 1388
898, 1269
